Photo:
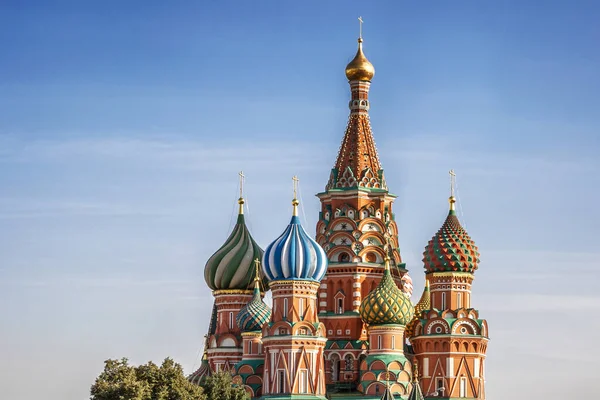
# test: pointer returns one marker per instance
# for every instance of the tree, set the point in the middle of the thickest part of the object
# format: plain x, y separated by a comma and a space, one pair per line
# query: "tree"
220, 387
121, 381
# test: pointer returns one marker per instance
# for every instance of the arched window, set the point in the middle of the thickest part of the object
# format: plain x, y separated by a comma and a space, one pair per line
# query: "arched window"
443, 301
285, 308
458, 300
335, 367
349, 362
230, 320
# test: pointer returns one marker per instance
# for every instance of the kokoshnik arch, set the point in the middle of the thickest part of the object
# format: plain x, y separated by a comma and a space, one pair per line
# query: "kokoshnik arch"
342, 324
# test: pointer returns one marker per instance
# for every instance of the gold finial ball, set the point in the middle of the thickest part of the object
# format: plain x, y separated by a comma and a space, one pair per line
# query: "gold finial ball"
360, 69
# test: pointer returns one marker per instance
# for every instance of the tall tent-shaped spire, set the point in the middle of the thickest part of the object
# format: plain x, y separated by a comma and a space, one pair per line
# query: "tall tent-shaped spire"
415, 393
357, 163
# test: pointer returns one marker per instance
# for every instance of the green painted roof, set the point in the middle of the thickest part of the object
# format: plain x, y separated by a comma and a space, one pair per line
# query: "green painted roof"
254, 314
231, 267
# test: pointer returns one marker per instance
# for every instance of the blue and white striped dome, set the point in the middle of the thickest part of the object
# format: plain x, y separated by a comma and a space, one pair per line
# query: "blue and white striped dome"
294, 256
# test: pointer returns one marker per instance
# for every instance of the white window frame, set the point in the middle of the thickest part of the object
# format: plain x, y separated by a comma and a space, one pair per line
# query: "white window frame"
303, 383
462, 387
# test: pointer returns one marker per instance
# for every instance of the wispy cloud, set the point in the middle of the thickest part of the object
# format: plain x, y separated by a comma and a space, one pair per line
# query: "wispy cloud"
169, 152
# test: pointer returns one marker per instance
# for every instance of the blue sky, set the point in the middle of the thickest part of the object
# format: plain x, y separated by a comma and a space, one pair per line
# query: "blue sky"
124, 124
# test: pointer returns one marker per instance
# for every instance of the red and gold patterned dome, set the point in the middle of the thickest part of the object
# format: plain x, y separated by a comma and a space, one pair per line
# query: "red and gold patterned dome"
451, 249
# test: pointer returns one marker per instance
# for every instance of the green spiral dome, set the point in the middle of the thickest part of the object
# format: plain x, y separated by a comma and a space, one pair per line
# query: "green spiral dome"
386, 304
231, 267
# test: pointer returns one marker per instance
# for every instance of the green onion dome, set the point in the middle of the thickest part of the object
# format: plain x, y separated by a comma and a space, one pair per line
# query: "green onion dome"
230, 267
254, 314
386, 304
451, 249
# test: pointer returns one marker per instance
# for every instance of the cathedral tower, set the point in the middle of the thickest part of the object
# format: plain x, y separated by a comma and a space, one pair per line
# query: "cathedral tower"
449, 339
250, 320
355, 223
386, 311
294, 340
229, 273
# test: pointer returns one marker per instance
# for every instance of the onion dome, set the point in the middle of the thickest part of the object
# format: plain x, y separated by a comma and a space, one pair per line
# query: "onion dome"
360, 69
256, 313
294, 255
423, 304
231, 266
451, 249
386, 304
198, 376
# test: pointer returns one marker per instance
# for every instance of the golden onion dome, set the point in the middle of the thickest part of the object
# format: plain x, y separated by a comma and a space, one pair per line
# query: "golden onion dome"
360, 69
386, 304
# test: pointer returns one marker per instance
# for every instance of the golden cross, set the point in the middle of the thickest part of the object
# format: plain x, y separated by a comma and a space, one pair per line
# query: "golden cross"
256, 267
452, 182
360, 21
296, 180
242, 176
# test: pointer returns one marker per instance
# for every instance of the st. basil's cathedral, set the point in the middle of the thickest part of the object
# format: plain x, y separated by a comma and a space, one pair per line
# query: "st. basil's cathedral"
342, 325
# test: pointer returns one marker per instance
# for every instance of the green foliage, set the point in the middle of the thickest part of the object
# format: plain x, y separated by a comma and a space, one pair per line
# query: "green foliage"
220, 387
121, 381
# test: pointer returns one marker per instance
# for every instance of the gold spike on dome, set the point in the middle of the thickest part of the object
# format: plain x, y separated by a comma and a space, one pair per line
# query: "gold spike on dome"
241, 199
256, 273
295, 201
452, 199
360, 69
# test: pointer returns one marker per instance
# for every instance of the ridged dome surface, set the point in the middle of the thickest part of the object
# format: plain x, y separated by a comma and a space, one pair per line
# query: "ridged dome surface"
451, 249
294, 256
203, 372
423, 304
386, 304
231, 266
254, 314
360, 69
